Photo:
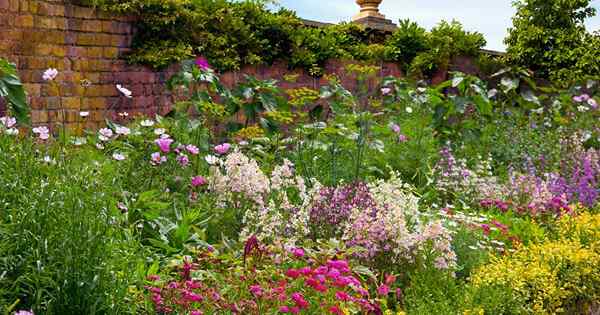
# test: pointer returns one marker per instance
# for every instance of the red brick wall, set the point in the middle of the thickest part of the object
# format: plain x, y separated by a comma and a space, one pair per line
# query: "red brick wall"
84, 44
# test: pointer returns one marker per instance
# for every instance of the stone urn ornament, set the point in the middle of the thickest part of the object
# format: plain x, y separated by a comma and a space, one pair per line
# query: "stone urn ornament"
369, 9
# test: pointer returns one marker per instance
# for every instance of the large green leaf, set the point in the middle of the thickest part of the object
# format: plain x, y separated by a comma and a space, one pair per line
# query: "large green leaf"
12, 90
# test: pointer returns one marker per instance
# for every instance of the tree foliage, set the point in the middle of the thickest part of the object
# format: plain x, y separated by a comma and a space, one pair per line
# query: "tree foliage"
549, 36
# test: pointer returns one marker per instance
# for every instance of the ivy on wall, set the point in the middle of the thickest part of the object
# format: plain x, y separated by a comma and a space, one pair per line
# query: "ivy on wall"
231, 34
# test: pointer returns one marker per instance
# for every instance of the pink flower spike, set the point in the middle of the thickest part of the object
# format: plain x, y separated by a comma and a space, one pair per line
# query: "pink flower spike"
222, 149
164, 144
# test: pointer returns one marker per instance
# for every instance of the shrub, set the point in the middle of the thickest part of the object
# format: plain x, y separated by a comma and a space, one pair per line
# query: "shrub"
553, 276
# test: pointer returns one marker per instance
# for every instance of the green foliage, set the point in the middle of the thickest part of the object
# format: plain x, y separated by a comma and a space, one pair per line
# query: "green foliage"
11, 89
550, 38
445, 41
61, 252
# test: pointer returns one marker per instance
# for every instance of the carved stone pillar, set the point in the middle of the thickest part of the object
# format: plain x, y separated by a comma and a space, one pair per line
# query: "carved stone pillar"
370, 17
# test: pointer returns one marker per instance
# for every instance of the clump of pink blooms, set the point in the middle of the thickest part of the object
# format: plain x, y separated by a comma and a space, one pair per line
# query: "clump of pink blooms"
8, 125
287, 283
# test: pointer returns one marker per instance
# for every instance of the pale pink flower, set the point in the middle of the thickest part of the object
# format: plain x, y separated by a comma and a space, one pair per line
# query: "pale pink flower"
8, 122
50, 74
124, 91
157, 159
159, 131
386, 91
23, 312
192, 149
118, 156
120, 130
593, 103
43, 132
147, 123
164, 144
222, 148
395, 128
105, 134
402, 138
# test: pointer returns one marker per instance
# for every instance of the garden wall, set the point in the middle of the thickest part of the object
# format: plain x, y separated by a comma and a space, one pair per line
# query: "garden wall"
87, 47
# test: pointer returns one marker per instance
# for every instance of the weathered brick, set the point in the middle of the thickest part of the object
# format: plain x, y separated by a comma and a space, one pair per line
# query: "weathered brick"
94, 52
95, 102
24, 20
91, 26
111, 52
4, 4
50, 9
13, 5
51, 22
83, 12
71, 102
39, 116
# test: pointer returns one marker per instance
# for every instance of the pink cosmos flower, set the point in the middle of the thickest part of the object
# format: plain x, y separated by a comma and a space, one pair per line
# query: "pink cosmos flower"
222, 148
127, 93
50, 74
199, 181
192, 149
8, 122
183, 160
105, 134
120, 130
43, 132
156, 158
202, 63
164, 144
118, 156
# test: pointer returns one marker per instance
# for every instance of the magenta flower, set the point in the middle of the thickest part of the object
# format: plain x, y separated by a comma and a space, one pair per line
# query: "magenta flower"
196, 312
402, 138
222, 148
342, 296
199, 181
383, 290
202, 63
298, 252
183, 160
298, 298
256, 290
164, 144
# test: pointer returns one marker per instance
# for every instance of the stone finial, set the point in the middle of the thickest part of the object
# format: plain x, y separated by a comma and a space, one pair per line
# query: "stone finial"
368, 9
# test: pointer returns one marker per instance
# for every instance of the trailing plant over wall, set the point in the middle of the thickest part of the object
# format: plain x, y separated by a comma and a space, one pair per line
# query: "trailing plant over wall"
231, 34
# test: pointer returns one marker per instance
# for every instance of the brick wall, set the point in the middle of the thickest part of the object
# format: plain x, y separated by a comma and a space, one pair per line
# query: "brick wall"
87, 46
